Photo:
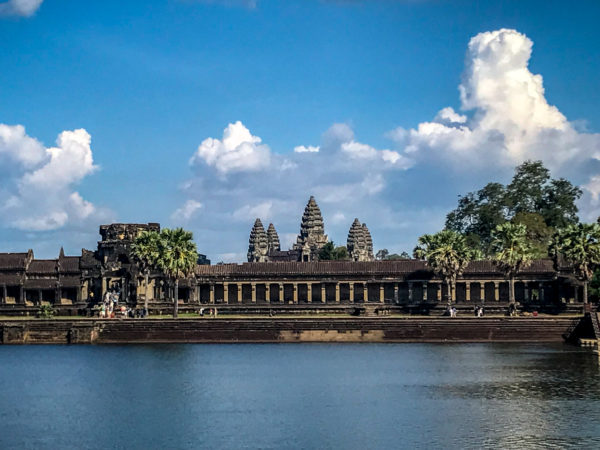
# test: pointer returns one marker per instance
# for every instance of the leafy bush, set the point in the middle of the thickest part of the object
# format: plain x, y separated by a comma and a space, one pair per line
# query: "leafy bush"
46, 312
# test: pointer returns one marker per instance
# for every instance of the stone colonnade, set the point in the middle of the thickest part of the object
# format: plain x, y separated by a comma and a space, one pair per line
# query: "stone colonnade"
393, 292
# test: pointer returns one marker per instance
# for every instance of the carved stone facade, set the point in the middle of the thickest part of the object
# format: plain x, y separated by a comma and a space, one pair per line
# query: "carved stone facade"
312, 235
273, 239
359, 243
259, 243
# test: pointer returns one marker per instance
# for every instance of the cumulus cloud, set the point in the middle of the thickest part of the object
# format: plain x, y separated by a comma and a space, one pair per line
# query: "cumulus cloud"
341, 171
237, 151
187, 211
307, 149
37, 183
510, 119
24, 8
504, 119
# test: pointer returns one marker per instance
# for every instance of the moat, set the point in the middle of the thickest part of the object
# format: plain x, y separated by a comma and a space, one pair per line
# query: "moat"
300, 396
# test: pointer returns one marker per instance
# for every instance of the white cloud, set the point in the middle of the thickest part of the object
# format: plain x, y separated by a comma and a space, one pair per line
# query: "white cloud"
511, 119
38, 186
187, 211
23, 8
238, 151
262, 211
307, 149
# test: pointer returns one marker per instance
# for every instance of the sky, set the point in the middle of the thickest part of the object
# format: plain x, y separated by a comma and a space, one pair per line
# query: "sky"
209, 114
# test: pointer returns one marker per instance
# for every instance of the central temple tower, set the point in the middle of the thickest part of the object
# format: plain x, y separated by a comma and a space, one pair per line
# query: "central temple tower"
312, 235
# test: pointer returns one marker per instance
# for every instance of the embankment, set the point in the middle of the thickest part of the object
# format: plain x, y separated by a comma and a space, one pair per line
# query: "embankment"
227, 330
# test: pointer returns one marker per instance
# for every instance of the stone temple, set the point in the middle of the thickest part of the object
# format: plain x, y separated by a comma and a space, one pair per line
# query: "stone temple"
359, 243
265, 246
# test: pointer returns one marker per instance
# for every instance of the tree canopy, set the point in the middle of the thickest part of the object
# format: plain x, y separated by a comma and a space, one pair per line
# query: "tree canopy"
447, 253
512, 251
532, 198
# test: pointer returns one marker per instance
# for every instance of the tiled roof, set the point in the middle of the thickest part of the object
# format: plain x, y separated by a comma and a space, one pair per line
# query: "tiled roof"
10, 280
45, 266
69, 264
12, 261
369, 268
40, 283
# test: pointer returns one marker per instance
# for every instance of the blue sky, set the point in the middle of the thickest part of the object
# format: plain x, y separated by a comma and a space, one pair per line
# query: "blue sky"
133, 93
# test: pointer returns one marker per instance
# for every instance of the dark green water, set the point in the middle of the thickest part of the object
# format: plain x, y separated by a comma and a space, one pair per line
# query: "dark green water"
299, 396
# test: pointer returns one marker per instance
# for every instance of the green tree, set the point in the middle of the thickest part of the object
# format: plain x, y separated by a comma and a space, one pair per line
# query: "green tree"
177, 258
327, 252
538, 233
512, 251
579, 244
146, 250
382, 254
478, 214
531, 191
340, 253
330, 252
447, 253
525, 193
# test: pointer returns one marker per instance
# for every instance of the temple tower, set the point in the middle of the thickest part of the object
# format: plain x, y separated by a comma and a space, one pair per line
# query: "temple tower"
258, 244
359, 243
312, 235
273, 239
368, 244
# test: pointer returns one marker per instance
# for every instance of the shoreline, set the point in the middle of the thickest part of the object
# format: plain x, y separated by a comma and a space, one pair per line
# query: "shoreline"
287, 330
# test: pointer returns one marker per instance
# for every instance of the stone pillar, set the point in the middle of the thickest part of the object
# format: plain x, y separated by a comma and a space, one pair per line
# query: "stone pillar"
323, 293
496, 291
525, 291
482, 291
365, 292
239, 292
104, 287
253, 286
410, 292
225, 292
438, 291
58, 296
309, 292
396, 297
3, 294
468, 291
295, 293
268, 292
21, 298
281, 296
337, 292
381, 293
39, 296
541, 292
211, 298
351, 294
425, 284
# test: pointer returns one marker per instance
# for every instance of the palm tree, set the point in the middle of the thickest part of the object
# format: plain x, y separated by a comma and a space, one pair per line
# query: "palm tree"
177, 257
512, 251
447, 253
579, 244
146, 250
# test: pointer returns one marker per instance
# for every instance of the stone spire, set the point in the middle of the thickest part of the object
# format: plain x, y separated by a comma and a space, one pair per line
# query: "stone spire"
258, 247
368, 243
312, 235
273, 239
359, 243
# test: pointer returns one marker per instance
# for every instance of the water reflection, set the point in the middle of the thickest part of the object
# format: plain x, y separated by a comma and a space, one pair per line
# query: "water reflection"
299, 396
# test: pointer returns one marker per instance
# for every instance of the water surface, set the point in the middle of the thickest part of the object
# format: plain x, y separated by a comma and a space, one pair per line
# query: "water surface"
351, 396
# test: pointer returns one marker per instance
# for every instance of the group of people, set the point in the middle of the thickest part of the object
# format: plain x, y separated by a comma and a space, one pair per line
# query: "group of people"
451, 311
108, 307
212, 312
478, 311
